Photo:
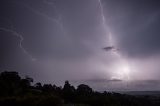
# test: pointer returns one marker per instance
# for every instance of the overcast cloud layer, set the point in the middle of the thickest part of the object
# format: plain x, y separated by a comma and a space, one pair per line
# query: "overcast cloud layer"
65, 38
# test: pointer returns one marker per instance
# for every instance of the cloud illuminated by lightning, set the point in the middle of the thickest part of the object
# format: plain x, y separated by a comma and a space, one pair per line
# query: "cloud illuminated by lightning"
124, 71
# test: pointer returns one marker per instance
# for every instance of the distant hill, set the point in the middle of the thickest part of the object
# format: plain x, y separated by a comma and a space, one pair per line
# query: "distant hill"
121, 85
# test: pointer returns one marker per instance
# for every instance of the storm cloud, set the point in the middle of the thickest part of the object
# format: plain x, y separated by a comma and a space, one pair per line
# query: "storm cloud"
65, 38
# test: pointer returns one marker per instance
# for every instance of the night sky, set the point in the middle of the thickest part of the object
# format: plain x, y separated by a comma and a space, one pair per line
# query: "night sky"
56, 40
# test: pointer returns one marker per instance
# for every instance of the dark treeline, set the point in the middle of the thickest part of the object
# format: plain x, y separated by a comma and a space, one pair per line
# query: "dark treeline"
17, 91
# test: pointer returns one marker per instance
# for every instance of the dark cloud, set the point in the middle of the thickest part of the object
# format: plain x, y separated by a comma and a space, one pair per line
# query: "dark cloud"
109, 48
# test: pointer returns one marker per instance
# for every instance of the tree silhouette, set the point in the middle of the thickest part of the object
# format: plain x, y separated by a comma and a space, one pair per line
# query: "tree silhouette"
25, 84
38, 86
9, 82
83, 89
15, 91
12, 84
68, 91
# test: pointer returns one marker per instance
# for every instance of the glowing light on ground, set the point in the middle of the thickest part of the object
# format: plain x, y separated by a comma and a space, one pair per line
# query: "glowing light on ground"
121, 71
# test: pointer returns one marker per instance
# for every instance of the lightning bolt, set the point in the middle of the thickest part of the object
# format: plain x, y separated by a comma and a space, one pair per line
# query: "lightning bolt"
20, 42
58, 21
124, 63
111, 40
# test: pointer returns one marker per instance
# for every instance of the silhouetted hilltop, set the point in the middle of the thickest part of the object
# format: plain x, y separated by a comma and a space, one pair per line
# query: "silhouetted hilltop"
17, 91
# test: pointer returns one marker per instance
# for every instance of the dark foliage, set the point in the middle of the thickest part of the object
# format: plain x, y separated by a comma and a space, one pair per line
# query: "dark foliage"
15, 91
